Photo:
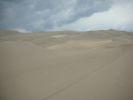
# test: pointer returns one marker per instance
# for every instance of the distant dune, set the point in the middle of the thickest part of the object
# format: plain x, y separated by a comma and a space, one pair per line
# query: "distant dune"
93, 65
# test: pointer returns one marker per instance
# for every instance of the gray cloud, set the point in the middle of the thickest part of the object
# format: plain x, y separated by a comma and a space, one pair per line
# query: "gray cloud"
44, 15
84, 8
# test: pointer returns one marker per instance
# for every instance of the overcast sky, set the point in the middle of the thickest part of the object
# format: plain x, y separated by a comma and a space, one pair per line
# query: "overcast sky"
57, 15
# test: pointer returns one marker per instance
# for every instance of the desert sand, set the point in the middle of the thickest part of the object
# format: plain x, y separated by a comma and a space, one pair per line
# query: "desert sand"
93, 65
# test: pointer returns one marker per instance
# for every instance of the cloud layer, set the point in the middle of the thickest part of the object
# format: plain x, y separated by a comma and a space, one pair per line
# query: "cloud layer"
48, 15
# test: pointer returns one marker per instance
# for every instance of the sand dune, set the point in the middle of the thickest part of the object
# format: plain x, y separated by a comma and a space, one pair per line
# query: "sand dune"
95, 65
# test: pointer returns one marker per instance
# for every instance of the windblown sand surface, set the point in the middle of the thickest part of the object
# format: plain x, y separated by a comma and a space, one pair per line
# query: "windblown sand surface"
95, 65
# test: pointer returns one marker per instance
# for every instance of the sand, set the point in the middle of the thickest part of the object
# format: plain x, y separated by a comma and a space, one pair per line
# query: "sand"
95, 65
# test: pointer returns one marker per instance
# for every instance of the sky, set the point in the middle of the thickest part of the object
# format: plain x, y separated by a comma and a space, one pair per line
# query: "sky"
60, 15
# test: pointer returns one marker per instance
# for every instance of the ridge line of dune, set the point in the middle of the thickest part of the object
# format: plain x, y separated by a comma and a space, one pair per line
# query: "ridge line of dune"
82, 78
